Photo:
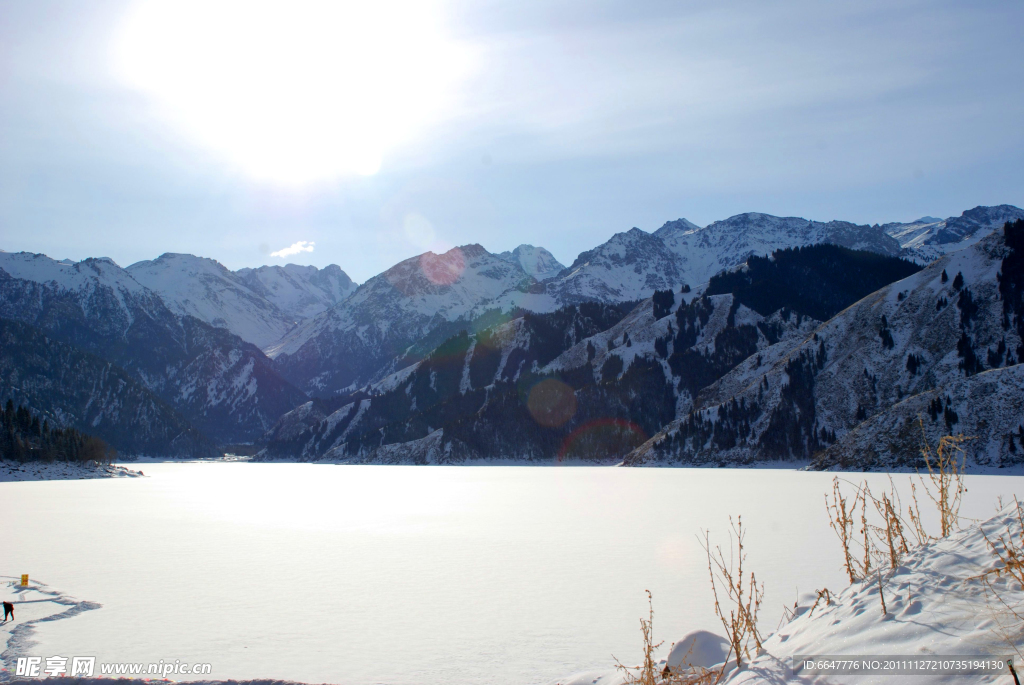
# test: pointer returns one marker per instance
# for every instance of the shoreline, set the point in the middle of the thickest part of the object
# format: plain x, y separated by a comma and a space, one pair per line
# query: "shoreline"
13, 471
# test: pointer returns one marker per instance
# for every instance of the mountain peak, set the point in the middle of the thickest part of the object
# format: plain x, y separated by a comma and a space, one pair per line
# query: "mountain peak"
678, 225
300, 292
470, 250
536, 261
928, 238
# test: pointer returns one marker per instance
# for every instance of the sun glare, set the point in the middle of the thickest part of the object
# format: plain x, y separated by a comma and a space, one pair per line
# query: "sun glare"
293, 92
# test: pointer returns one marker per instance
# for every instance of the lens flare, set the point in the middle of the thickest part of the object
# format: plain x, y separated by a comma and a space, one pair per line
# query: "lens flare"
551, 403
602, 439
443, 269
293, 92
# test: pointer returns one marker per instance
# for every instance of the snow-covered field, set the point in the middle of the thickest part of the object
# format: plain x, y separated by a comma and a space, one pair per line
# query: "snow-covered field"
940, 602
369, 574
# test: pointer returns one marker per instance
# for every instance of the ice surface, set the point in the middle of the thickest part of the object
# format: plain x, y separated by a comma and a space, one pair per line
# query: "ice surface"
402, 575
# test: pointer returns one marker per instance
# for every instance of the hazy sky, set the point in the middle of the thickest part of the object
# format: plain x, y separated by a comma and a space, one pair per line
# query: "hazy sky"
371, 132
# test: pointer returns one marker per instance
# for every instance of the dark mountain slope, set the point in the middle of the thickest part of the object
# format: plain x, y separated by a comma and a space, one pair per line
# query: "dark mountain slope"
75, 389
26, 437
818, 280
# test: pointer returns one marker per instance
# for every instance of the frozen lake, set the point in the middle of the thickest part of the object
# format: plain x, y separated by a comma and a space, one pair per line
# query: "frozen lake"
410, 575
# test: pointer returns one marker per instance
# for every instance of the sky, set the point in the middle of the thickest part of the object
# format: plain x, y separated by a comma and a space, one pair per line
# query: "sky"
361, 134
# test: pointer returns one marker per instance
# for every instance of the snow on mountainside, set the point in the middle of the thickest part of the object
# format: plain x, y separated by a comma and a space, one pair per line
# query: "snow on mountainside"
535, 261
931, 331
703, 252
588, 381
450, 384
928, 238
627, 268
84, 276
630, 266
351, 343
337, 337
223, 385
300, 292
989, 406
205, 289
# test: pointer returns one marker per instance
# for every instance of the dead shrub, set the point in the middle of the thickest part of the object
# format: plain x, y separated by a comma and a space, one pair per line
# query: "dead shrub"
646, 673
858, 549
1009, 551
892, 533
873, 544
945, 485
743, 594
822, 594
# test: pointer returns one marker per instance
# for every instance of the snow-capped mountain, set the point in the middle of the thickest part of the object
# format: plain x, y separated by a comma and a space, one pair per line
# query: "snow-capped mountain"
178, 325
628, 267
928, 336
928, 238
299, 292
587, 381
536, 261
704, 252
205, 289
223, 385
258, 305
632, 265
353, 342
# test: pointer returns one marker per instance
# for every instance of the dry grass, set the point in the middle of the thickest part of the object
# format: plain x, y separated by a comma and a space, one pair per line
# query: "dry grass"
822, 594
858, 548
892, 533
881, 594
1009, 551
946, 475
867, 547
744, 595
695, 676
866, 544
646, 673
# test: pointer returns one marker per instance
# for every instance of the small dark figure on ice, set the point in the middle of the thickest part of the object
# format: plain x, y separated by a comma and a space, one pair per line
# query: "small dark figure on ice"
8, 611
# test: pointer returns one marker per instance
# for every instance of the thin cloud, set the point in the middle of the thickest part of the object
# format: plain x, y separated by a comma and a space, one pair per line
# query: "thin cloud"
294, 248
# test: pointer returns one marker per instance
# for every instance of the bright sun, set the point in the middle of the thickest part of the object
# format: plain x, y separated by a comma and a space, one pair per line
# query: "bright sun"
297, 91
